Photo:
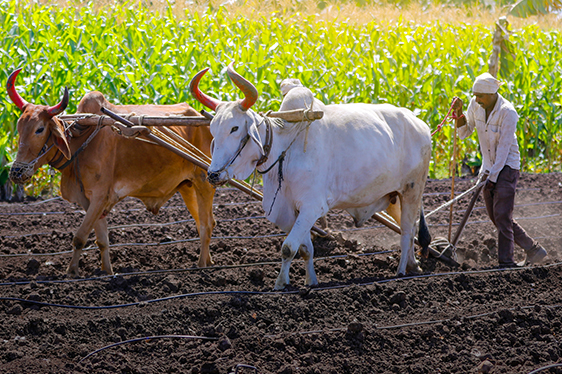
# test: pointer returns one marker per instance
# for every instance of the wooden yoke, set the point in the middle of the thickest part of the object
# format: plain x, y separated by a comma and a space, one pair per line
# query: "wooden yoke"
93, 120
297, 115
196, 159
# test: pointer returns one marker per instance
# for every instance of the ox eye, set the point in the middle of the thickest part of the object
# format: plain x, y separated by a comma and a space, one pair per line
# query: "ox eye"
235, 128
39, 130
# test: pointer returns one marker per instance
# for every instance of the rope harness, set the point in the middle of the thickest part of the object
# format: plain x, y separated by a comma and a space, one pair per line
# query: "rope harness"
74, 157
281, 157
241, 146
20, 169
451, 115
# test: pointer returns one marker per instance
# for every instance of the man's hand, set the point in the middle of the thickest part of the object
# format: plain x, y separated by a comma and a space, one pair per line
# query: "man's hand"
485, 176
457, 105
457, 112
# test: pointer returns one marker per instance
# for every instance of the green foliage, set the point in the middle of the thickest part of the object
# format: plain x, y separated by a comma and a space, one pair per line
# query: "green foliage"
526, 8
134, 55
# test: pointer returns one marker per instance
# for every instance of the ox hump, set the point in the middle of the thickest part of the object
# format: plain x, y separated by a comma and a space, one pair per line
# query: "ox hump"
300, 98
92, 102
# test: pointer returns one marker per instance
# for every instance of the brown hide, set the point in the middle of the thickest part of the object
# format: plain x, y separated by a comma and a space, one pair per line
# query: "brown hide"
112, 167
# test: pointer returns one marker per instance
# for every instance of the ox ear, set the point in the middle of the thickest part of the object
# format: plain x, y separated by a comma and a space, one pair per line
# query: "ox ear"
255, 135
59, 138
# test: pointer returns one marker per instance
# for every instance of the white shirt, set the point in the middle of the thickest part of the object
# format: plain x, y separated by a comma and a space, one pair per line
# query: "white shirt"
498, 142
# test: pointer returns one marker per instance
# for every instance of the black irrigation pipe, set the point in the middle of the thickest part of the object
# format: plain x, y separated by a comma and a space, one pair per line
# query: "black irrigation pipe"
166, 271
236, 189
144, 225
147, 338
414, 324
263, 217
81, 211
144, 244
137, 303
315, 289
245, 237
545, 368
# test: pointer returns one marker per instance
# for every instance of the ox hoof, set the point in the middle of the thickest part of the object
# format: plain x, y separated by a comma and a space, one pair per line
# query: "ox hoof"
205, 264
311, 282
73, 272
414, 270
279, 286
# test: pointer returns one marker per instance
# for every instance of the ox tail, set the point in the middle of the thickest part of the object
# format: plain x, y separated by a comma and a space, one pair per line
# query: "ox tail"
424, 237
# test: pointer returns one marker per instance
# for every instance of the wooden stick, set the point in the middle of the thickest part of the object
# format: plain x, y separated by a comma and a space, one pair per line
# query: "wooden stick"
466, 215
171, 141
87, 119
297, 115
453, 169
171, 133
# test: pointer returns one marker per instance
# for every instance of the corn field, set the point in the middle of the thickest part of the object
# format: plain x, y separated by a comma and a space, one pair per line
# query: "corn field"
135, 55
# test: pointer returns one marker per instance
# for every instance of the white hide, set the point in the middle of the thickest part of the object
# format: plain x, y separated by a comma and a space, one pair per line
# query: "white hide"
352, 159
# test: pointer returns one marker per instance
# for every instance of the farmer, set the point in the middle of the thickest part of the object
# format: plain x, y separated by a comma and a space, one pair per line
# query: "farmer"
495, 120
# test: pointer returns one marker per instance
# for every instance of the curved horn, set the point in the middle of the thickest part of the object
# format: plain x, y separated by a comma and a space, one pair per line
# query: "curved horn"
204, 99
60, 107
14, 96
250, 92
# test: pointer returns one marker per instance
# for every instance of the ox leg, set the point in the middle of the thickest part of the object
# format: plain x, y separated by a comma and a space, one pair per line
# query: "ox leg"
102, 241
408, 263
93, 213
199, 201
298, 240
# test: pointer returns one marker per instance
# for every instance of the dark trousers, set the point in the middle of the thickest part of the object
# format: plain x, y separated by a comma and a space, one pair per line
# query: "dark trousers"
500, 199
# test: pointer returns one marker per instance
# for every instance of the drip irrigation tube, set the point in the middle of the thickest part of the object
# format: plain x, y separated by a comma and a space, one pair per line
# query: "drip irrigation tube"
156, 272
315, 289
413, 324
81, 211
243, 237
545, 368
118, 306
214, 204
250, 218
146, 338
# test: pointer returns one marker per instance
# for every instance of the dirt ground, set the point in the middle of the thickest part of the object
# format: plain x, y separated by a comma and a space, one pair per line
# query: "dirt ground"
225, 319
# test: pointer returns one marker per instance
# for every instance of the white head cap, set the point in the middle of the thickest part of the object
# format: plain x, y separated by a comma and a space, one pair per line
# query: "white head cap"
288, 84
486, 84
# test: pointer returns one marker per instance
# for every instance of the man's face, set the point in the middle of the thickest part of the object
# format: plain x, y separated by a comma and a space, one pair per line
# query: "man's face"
486, 101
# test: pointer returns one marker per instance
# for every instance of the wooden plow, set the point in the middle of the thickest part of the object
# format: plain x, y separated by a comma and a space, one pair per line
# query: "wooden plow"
143, 128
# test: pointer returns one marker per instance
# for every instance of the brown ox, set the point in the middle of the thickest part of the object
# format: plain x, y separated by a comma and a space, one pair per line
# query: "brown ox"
112, 167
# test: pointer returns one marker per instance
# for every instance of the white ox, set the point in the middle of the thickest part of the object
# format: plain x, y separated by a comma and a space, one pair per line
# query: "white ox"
358, 157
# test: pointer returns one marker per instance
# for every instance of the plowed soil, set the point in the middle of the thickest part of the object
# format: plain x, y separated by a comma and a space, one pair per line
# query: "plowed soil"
159, 314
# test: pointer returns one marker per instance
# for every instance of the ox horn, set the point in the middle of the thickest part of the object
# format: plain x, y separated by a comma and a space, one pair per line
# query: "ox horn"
250, 92
60, 107
14, 96
20, 102
204, 99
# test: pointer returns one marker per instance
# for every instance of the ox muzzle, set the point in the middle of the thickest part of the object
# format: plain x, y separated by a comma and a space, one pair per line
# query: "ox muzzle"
21, 172
214, 178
